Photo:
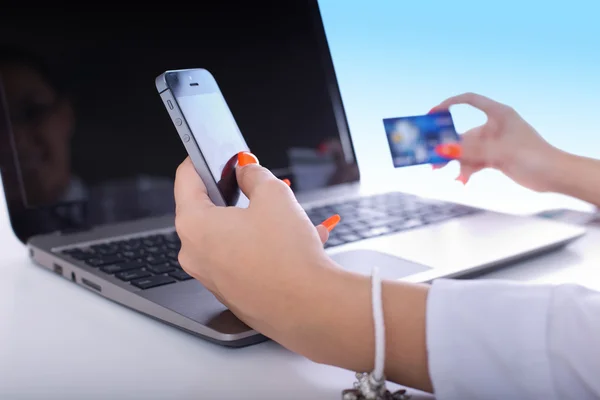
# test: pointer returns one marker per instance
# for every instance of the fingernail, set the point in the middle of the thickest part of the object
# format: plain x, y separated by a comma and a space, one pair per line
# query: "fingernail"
287, 182
437, 109
461, 178
245, 158
331, 222
449, 150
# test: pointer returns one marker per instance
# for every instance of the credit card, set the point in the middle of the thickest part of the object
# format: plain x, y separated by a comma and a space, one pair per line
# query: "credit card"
413, 140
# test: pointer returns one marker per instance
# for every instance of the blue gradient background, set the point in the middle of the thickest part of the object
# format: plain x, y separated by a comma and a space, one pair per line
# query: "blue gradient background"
397, 58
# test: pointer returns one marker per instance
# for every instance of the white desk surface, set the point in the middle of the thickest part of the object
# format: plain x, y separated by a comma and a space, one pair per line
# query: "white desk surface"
60, 341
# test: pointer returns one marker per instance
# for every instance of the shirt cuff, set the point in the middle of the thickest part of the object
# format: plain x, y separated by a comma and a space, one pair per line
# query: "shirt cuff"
488, 339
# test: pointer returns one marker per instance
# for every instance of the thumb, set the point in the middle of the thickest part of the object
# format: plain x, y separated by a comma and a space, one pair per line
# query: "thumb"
250, 175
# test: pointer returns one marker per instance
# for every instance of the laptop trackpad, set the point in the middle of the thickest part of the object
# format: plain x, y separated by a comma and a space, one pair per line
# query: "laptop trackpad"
390, 267
192, 300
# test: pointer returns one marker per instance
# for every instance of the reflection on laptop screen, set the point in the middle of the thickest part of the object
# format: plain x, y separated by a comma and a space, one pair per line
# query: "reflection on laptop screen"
93, 141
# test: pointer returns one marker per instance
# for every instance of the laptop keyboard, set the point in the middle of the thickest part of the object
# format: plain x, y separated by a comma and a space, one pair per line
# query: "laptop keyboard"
151, 261
144, 262
384, 214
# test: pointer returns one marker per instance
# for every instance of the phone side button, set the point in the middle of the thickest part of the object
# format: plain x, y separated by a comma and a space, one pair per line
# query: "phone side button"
170, 104
186, 138
178, 121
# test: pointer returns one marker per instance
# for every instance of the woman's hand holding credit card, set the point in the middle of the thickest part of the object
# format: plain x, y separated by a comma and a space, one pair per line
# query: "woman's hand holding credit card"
505, 142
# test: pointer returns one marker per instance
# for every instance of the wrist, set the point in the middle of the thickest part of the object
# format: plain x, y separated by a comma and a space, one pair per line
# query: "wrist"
336, 327
577, 177
557, 173
340, 329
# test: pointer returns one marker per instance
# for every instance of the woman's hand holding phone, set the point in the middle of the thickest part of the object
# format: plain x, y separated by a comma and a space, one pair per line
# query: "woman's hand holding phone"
278, 248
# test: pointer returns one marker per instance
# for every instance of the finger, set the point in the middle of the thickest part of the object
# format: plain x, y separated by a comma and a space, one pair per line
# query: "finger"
331, 222
327, 226
473, 147
323, 233
250, 175
466, 171
436, 109
470, 149
189, 188
438, 166
451, 151
475, 100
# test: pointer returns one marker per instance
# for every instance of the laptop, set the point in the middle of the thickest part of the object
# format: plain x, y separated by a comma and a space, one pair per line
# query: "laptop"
89, 156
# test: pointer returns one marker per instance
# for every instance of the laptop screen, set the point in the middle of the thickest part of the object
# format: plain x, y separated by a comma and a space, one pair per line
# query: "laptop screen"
91, 141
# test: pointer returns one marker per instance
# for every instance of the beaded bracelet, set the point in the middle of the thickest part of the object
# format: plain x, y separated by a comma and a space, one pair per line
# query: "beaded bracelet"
371, 386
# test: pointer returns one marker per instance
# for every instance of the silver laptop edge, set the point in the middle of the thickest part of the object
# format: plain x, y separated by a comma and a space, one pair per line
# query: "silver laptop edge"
400, 256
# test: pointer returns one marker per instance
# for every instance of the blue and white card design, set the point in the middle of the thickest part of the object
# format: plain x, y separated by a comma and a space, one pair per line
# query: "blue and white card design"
413, 140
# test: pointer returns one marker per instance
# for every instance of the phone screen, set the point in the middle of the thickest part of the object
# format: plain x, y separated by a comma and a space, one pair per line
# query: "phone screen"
219, 139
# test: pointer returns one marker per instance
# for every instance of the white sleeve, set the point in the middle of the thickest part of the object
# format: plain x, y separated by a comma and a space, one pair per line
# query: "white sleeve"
491, 339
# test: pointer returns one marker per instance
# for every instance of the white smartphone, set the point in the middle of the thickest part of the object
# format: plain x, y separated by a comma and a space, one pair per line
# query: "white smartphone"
207, 129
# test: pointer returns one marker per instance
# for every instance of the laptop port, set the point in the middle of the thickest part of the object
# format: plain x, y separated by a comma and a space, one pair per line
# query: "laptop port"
93, 285
57, 269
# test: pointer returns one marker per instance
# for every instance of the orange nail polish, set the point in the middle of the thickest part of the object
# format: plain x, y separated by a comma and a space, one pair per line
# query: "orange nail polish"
331, 222
449, 150
245, 158
287, 182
